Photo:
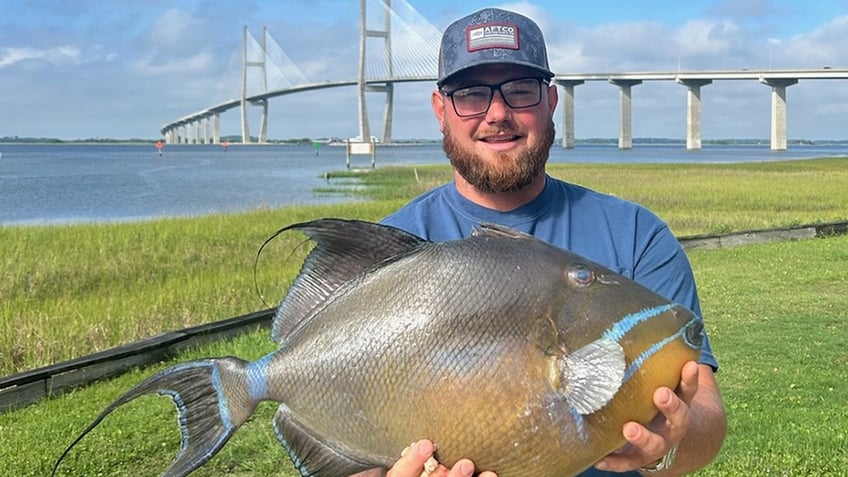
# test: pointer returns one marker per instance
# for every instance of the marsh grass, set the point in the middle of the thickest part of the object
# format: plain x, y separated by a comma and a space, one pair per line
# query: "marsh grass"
73, 290
692, 198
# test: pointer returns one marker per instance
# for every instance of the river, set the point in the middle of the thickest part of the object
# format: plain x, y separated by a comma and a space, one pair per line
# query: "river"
74, 183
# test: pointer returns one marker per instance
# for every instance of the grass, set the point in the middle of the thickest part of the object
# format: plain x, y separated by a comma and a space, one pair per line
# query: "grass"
775, 312
692, 198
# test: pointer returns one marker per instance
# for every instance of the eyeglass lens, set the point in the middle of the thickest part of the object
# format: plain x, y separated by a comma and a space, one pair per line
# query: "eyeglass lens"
519, 93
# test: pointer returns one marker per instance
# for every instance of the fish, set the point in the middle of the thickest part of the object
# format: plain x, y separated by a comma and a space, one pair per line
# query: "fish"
524, 357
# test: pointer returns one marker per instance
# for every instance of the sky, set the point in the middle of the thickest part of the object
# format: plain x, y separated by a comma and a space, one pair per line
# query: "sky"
121, 69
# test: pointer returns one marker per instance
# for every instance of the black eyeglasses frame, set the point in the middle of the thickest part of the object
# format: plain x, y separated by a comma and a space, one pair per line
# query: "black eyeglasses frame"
492, 89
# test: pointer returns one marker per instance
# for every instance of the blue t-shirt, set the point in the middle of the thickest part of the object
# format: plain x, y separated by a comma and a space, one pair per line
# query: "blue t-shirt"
625, 237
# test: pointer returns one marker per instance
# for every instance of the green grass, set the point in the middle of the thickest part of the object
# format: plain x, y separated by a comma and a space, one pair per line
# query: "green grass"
776, 318
775, 313
692, 198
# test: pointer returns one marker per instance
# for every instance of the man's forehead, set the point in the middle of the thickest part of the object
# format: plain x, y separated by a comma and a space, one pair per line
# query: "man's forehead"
491, 73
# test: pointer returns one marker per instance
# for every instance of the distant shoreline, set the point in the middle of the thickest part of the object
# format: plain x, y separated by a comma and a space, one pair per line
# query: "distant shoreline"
412, 142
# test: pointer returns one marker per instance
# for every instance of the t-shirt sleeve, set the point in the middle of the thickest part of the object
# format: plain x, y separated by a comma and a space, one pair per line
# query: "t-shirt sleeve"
664, 267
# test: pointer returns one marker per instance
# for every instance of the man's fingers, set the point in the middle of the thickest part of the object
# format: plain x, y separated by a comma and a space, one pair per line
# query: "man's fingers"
414, 460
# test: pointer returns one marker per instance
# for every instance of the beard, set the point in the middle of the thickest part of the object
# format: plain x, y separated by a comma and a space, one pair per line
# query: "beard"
509, 172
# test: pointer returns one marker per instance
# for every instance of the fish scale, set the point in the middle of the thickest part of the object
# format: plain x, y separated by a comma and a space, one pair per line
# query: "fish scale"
500, 348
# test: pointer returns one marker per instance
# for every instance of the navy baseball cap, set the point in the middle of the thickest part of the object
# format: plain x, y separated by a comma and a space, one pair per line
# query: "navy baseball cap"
492, 36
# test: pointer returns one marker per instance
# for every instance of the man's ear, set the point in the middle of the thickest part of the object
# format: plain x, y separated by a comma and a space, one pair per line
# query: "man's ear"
439, 102
553, 98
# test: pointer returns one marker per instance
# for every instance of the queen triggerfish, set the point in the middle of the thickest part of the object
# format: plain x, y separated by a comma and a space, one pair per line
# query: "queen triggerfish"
523, 357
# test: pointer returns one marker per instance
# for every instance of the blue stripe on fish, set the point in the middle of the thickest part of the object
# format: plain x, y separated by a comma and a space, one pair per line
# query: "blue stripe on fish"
624, 325
640, 360
580, 422
257, 378
223, 406
181, 418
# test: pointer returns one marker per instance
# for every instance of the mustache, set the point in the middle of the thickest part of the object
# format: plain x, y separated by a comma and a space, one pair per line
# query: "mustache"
499, 131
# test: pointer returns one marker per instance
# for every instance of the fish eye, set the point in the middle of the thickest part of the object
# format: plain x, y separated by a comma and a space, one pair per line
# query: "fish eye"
580, 275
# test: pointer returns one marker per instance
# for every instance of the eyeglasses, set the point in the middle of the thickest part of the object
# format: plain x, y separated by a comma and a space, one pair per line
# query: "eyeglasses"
517, 94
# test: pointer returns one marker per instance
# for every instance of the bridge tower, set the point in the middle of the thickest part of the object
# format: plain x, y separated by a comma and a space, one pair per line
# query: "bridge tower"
388, 87
263, 126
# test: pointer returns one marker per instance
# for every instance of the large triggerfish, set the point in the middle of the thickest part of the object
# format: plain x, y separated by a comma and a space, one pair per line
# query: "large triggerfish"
500, 348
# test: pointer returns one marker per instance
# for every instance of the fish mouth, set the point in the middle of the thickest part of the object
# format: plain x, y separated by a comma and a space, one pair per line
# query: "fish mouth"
693, 332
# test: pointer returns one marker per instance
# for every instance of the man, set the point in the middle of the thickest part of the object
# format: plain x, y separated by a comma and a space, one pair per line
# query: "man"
495, 105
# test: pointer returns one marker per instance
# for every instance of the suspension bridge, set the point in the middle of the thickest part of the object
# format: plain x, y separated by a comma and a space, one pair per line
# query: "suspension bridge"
407, 51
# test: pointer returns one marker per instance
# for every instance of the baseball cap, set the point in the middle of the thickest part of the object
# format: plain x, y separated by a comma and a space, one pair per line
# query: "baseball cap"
492, 36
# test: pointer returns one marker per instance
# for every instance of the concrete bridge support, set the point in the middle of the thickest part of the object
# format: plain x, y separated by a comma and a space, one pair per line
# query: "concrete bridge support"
207, 130
778, 111
625, 121
693, 111
263, 127
568, 111
387, 88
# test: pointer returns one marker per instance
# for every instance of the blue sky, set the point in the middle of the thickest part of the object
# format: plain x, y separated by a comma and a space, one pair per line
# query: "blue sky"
121, 69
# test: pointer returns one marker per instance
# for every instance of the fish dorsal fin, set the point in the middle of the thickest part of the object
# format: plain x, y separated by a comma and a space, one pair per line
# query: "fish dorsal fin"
311, 456
343, 250
495, 230
594, 374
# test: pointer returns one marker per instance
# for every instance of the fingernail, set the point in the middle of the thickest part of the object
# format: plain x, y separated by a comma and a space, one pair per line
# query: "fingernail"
630, 432
466, 467
424, 447
665, 397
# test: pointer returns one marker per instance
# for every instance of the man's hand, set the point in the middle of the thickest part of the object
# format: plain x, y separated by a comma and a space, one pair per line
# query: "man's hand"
414, 463
647, 444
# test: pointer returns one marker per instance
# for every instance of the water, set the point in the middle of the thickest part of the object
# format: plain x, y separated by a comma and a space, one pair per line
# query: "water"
47, 184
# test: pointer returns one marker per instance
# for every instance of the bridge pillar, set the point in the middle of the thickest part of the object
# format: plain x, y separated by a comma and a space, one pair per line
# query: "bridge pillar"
216, 128
363, 87
625, 121
263, 127
693, 110
568, 111
263, 122
778, 110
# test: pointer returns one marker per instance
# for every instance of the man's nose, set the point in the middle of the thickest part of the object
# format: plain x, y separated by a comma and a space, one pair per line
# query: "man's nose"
498, 109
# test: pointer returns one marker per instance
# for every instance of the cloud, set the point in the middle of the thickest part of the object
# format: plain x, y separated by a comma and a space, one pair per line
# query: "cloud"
188, 65
824, 46
55, 55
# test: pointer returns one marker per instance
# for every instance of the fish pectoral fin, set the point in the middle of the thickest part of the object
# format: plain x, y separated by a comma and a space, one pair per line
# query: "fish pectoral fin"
593, 374
312, 456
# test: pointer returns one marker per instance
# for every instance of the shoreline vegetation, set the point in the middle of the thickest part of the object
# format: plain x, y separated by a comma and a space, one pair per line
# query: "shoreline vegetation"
775, 312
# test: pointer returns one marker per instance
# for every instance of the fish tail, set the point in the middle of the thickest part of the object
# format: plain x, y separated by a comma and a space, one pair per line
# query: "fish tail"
212, 399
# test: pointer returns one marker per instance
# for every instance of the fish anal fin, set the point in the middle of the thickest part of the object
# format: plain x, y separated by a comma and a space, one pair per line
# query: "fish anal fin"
311, 456
593, 375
